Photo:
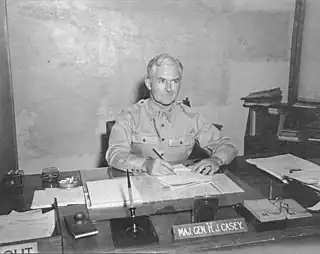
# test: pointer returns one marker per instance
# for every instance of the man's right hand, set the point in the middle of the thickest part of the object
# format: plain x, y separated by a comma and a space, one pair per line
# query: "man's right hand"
157, 167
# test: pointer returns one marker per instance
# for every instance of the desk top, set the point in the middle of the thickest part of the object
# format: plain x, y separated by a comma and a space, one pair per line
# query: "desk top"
159, 200
254, 182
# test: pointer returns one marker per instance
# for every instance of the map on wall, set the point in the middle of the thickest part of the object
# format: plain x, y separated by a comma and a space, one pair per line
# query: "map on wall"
76, 64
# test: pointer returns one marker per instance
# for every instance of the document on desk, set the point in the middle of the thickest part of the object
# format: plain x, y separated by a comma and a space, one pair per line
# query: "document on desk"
286, 165
45, 198
111, 193
314, 208
183, 177
19, 226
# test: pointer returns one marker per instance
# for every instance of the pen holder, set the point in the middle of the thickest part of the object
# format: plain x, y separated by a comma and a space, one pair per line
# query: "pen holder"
133, 230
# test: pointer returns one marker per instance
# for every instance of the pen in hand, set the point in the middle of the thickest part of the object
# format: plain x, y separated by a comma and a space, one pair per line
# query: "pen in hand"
158, 154
161, 158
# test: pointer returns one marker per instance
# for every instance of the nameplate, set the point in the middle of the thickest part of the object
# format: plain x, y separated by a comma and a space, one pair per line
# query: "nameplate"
209, 228
22, 248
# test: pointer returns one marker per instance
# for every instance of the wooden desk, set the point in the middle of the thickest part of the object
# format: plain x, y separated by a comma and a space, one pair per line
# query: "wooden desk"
157, 200
253, 181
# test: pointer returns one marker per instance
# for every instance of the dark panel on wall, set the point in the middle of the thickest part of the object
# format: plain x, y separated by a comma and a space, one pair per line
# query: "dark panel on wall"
8, 147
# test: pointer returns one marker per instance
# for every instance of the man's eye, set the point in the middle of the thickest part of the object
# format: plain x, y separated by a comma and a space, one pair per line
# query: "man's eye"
161, 81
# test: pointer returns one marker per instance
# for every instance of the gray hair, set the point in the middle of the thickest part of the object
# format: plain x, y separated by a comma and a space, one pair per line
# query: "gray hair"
163, 59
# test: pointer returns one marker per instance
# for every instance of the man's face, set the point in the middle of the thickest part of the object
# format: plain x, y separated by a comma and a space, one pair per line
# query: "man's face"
164, 84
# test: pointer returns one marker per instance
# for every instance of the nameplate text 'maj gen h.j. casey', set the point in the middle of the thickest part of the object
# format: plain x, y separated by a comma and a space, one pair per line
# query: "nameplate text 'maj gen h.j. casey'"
209, 228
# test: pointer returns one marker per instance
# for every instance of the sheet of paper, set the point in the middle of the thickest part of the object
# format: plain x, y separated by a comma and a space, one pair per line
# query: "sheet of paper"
111, 193
314, 208
225, 185
184, 177
26, 226
45, 198
307, 176
280, 165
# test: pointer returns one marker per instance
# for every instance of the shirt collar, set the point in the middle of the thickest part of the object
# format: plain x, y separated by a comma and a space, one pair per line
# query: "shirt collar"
155, 110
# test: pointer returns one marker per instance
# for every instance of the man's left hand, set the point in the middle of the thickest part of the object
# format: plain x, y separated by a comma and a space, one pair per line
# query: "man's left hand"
207, 166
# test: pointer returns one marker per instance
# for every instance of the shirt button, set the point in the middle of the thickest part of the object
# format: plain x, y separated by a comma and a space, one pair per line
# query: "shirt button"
181, 142
144, 140
163, 139
162, 125
162, 154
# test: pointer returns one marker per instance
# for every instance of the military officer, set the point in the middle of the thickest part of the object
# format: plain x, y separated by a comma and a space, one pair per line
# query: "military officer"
154, 134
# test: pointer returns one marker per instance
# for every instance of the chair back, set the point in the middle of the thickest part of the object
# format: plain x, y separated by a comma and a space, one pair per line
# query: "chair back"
109, 125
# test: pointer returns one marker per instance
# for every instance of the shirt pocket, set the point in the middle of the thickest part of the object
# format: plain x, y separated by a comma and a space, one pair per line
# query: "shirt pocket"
144, 139
184, 141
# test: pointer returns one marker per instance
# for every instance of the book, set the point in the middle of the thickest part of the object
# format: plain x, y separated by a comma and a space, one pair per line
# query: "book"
273, 93
44, 198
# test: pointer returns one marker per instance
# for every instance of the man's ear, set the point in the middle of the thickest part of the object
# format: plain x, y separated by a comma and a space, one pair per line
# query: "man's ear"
147, 82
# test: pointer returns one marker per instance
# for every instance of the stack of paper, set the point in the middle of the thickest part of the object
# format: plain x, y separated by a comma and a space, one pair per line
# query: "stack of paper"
111, 193
286, 165
45, 198
183, 177
26, 225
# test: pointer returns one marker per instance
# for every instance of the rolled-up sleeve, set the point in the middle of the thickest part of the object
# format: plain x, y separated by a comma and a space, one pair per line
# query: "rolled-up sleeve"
210, 138
119, 153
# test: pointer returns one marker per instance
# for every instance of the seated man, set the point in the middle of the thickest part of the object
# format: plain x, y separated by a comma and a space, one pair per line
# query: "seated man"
156, 133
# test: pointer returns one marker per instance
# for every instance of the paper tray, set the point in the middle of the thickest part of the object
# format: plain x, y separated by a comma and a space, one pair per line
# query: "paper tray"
53, 244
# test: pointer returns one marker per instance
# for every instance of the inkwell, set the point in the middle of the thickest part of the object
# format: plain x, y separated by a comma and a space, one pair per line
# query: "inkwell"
133, 230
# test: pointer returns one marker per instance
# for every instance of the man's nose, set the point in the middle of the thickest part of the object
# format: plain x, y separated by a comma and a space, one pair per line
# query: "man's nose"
168, 85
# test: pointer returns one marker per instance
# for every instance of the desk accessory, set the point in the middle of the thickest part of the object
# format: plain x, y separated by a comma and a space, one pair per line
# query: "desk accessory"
209, 229
12, 181
268, 214
204, 209
157, 153
69, 182
134, 230
50, 177
80, 226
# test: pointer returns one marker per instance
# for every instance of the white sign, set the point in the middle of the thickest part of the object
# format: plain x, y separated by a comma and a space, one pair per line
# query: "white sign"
209, 228
23, 248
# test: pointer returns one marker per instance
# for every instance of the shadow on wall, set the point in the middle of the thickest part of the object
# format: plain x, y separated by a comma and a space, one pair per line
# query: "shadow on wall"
142, 93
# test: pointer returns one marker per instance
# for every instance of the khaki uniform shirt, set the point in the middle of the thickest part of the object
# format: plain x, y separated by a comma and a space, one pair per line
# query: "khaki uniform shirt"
172, 132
